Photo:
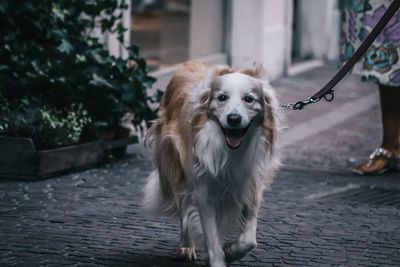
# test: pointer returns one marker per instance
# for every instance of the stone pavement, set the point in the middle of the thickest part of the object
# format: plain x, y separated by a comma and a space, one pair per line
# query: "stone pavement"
316, 213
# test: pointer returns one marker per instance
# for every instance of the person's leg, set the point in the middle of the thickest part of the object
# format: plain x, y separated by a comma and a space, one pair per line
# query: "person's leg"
390, 105
390, 109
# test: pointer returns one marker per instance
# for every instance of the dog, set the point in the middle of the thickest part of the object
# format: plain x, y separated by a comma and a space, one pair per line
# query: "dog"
215, 151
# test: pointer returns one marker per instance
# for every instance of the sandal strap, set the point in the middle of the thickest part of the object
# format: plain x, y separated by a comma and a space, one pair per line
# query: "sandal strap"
381, 152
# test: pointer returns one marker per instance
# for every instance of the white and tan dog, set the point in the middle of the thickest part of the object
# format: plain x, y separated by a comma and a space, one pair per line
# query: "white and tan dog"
215, 151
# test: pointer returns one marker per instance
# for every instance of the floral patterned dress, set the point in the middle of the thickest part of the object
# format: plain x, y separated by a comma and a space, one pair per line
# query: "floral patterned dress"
380, 64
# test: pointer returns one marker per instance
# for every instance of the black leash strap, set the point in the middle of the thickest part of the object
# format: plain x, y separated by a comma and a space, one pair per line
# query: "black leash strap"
326, 92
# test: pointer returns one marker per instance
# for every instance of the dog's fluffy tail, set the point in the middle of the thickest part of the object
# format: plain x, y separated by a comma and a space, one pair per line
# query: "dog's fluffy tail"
155, 202
153, 199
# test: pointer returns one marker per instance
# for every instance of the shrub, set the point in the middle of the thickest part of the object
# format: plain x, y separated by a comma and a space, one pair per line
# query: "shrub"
57, 80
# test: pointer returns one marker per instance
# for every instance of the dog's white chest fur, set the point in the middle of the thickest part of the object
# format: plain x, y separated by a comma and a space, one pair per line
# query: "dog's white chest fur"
225, 176
215, 151
215, 158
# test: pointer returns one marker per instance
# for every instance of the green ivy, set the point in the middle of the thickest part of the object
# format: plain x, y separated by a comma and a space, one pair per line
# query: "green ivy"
55, 75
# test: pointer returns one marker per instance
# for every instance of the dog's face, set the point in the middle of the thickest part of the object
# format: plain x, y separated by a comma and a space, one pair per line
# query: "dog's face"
236, 103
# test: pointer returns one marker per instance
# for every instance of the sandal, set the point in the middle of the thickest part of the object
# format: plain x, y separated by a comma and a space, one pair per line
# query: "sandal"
382, 154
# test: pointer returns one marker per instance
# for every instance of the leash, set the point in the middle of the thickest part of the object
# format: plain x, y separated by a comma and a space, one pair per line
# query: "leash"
327, 92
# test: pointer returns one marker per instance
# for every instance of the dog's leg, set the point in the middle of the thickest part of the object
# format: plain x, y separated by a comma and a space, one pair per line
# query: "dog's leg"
186, 250
211, 236
246, 241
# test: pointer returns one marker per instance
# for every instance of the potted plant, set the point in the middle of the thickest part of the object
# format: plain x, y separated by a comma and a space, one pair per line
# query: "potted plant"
59, 85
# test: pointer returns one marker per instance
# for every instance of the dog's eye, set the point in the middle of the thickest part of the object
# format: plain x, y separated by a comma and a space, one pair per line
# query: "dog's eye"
222, 98
248, 99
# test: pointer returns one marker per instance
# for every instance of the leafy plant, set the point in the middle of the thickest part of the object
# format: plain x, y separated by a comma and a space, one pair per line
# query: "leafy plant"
55, 75
46, 127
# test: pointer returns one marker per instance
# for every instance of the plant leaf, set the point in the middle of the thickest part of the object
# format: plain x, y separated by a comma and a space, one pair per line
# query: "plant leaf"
65, 47
99, 81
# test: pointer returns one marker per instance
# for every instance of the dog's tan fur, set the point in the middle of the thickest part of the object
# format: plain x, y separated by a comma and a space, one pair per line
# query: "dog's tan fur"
172, 130
175, 132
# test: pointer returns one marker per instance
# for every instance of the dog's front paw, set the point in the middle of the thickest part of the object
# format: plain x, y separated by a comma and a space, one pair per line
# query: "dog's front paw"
215, 263
230, 255
235, 251
186, 254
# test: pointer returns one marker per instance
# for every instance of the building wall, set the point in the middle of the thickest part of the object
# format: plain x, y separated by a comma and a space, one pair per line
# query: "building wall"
318, 27
259, 33
240, 32
111, 41
275, 40
206, 28
262, 30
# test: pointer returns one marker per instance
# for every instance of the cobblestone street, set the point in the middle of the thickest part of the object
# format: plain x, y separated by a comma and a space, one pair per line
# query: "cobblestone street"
316, 214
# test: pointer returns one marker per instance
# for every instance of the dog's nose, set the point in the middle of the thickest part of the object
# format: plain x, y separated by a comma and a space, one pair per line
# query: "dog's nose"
234, 119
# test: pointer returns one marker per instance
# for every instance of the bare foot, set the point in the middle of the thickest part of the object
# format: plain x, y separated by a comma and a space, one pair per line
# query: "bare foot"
375, 166
380, 161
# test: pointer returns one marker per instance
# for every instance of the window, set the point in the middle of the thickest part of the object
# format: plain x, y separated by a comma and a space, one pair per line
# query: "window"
161, 29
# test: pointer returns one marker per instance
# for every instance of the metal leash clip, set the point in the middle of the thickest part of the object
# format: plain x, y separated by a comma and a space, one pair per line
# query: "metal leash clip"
299, 104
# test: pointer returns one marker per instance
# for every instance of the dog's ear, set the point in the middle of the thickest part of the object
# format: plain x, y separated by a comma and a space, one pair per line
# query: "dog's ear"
200, 97
205, 97
211, 80
270, 122
222, 70
269, 94
256, 71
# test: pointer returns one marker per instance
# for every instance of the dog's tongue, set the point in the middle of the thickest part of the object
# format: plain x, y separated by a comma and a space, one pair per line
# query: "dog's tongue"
233, 142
